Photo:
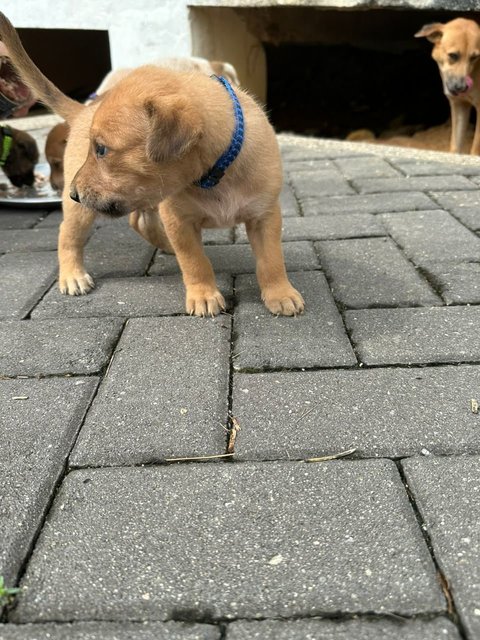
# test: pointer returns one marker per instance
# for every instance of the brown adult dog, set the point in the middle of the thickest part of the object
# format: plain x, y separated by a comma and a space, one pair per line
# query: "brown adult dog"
22, 157
57, 138
456, 50
146, 142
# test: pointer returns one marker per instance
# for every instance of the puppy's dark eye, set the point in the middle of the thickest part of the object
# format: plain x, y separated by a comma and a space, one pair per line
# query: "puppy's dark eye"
100, 150
453, 57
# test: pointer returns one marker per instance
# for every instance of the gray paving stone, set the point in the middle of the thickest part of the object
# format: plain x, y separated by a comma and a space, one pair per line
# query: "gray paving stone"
374, 203
288, 202
315, 339
308, 184
353, 168
452, 199
56, 347
392, 412
314, 165
372, 272
217, 236
353, 225
446, 491
439, 629
299, 256
458, 283
51, 221
36, 433
28, 240
422, 183
18, 219
475, 179
164, 396
421, 168
123, 297
432, 236
111, 631
469, 216
115, 250
24, 278
245, 529
408, 336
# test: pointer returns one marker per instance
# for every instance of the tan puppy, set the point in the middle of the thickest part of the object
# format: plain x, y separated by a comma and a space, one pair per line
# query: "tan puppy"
55, 146
146, 142
457, 52
57, 138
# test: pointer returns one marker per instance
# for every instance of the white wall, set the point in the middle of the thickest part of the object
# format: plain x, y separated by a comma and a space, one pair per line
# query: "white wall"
139, 30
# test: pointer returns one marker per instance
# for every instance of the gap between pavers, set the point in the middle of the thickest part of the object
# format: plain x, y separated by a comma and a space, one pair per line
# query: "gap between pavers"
228, 541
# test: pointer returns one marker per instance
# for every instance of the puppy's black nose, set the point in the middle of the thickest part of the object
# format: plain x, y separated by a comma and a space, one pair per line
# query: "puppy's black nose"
74, 195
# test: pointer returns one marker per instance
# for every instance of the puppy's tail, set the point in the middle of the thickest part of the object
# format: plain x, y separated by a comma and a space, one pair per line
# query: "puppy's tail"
42, 88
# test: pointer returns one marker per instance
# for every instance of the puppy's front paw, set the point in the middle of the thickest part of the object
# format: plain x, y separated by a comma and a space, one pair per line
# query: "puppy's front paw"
76, 284
203, 300
283, 301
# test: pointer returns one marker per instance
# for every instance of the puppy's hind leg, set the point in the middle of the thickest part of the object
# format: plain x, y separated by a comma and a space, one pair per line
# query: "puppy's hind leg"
460, 118
265, 237
149, 225
74, 230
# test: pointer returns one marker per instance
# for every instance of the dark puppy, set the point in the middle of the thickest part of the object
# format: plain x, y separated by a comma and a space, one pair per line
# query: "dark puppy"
18, 156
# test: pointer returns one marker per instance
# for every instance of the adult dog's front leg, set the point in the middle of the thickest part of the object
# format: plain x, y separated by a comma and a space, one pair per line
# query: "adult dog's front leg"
460, 118
74, 231
265, 237
202, 295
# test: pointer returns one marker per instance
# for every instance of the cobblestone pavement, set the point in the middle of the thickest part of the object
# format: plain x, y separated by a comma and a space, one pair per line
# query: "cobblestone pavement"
109, 541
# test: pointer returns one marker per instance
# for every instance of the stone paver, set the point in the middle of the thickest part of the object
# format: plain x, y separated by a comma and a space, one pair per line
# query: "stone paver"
373, 272
288, 202
350, 630
432, 236
308, 184
24, 278
19, 219
422, 183
355, 225
228, 543
123, 297
116, 251
111, 631
422, 168
374, 203
453, 199
165, 394
56, 347
458, 283
446, 491
299, 256
52, 221
409, 336
316, 338
376, 167
28, 240
381, 412
469, 216
39, 422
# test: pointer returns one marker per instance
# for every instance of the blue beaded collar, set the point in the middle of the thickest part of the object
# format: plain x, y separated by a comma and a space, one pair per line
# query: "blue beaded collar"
216, 173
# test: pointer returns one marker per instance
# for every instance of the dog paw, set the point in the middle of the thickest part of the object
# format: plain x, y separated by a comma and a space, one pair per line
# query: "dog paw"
204, 301
76, 285
283, 301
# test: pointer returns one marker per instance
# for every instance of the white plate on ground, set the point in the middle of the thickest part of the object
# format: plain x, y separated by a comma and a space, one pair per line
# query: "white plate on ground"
41, 196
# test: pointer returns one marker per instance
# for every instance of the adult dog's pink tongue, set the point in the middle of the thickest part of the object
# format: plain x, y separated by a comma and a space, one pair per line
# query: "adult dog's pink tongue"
469, 82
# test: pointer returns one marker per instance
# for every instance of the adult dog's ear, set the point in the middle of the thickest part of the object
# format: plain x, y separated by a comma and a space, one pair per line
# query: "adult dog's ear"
432, 32
175, 126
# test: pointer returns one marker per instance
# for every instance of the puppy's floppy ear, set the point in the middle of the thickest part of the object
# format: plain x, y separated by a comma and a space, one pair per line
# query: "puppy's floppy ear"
175, 126
432, 32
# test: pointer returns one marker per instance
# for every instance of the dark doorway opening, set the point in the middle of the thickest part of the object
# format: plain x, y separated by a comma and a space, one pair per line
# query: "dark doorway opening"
75, 60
